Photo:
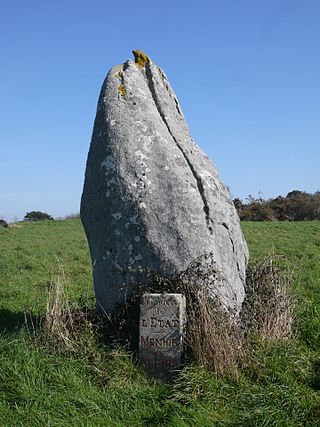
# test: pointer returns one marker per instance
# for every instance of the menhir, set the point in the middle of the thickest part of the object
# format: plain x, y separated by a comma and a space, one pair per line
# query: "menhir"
152, 200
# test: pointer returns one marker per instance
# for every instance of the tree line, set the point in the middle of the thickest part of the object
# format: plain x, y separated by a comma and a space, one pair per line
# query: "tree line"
295, 206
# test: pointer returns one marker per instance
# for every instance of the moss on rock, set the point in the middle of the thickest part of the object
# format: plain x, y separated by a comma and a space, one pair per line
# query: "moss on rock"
140, 58
122, 90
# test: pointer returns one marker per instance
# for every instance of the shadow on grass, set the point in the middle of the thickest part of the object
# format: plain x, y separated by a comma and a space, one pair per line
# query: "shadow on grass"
122, 326
121, 329
315, 379
11, 321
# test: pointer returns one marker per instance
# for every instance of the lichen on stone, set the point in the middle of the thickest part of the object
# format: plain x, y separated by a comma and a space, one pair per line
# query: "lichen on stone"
119, 75
140, 58
122, 90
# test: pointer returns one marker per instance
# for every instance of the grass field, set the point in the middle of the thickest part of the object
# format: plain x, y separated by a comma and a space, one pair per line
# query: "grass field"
278, 386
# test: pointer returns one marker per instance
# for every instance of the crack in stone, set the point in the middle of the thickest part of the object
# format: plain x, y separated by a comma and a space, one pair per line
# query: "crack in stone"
233, 247
223, 224
166, 85
177, 105
149, 77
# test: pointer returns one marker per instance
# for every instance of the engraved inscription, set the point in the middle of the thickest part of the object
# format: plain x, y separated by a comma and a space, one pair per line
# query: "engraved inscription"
154, 322
158, 342
162, 319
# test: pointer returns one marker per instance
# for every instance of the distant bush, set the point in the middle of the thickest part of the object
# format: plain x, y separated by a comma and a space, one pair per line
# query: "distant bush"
37, 216
295, 206
3, 223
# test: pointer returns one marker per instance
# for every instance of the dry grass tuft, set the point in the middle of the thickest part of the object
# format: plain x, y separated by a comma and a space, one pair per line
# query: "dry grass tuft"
65, 328
213, 336
268, 307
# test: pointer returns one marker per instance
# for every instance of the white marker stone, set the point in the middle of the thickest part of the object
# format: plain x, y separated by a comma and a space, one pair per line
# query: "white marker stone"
162, 322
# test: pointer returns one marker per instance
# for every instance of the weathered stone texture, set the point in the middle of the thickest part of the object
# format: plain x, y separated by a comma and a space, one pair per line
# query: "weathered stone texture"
151, 197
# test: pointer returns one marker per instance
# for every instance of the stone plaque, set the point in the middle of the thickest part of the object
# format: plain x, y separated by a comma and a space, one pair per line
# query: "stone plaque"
162, 322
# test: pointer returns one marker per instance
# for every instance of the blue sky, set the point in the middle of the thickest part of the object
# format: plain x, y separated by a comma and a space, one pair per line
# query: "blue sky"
246, 73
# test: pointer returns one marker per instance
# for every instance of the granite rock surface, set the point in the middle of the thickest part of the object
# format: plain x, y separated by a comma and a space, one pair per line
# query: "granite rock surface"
151, 197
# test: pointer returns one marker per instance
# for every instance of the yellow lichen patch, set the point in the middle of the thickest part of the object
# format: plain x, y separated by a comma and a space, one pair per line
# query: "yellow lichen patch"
122, 90
140, 58
119, 74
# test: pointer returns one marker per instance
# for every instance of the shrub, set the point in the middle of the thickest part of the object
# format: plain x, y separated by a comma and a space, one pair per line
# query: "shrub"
295, 206
3, 223
37, 216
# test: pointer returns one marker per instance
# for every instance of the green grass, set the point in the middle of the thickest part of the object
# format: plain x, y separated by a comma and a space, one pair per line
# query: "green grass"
278, 386
300, 242
29, 258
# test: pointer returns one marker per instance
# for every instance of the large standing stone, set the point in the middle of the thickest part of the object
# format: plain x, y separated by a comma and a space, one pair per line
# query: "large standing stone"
162, 322
151, 197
